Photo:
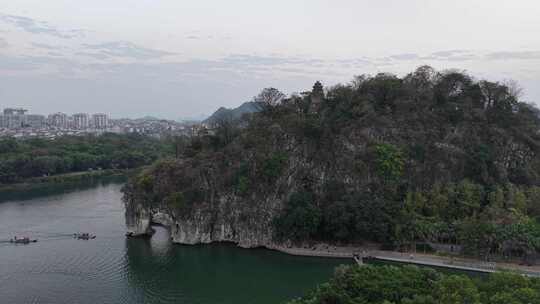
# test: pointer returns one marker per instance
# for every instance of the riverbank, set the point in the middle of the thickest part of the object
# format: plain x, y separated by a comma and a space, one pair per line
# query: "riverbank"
347, 252
37, 182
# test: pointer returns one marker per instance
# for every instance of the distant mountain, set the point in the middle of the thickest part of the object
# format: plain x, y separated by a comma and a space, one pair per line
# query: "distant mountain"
148, 117
236, 113
193, 118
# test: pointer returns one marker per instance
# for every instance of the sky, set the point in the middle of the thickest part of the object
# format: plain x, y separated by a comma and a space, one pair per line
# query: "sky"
184, 59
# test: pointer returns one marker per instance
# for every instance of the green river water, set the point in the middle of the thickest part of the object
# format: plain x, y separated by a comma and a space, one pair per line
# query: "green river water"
114, 269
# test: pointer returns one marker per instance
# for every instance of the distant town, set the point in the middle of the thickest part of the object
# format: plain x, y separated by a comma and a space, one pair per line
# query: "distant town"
18, 123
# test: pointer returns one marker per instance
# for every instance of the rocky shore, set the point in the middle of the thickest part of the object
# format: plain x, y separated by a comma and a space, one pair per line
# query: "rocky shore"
139, 224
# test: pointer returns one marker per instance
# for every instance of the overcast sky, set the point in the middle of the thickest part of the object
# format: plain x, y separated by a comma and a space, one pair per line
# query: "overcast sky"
176, 58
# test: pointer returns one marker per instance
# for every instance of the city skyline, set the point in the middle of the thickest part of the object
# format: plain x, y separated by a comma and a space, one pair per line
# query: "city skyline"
20, 118
31, 112
22, 123
185, 59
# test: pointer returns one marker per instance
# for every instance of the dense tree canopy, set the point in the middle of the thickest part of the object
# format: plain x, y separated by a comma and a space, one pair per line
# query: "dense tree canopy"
412, 285
37, 157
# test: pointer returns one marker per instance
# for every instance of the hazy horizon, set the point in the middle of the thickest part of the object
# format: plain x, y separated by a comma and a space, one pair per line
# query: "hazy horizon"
172, 59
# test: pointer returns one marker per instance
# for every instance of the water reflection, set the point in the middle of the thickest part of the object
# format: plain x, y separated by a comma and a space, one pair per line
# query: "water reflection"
219, 273
51, 189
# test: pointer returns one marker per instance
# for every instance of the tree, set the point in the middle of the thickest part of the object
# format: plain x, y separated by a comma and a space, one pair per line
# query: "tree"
300, 219
514, 89
457, 290
226, 128
412, 285
383, 89
533, 202
268, 99
390, 162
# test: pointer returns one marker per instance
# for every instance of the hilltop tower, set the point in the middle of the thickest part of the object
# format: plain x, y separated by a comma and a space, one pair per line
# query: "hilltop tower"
317, 96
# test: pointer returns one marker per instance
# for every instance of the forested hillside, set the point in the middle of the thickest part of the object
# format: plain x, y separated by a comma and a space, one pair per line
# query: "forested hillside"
429, 157
22, 159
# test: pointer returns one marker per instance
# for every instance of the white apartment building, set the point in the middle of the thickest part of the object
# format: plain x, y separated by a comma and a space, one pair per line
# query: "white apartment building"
100, 121
13, 118
14, 111
35, 121
81, 121
59, 120
3, 121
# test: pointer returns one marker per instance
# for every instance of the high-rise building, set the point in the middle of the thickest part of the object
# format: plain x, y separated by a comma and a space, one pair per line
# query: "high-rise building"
17, 118
59, 120
35, 121
15, 121
13, 118
3, 121
81, 121
14, 111
100, 121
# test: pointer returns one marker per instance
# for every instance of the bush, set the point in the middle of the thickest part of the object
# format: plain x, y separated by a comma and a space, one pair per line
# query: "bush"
273, 166
300, 218
390, 162
243, 185
176, 200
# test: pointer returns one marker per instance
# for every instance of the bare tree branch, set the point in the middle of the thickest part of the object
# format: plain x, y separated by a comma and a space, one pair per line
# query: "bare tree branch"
269, 98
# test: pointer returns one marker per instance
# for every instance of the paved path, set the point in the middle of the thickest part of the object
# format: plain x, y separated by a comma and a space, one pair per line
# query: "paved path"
315, 253
417, 259
434, 264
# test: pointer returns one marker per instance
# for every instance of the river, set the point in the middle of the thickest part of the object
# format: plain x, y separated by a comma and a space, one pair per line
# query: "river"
114, 269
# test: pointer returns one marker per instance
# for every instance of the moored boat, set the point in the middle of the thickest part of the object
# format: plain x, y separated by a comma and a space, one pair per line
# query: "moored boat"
23, 240
84, 236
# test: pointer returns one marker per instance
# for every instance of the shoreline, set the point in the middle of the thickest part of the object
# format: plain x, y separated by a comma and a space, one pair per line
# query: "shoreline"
66, 178
323, 250
297, 251
434, 260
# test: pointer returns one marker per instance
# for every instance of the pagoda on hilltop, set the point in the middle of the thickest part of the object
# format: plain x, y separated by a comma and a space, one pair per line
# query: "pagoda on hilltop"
317, 96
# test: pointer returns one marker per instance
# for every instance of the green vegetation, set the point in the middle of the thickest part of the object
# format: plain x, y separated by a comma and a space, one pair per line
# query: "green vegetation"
29, 159
273, 166
389, 161
412, 285
300, 218
432, 157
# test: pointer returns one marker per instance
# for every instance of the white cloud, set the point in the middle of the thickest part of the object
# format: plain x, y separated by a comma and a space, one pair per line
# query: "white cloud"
40, 27
124, 49
178, 57
521, 55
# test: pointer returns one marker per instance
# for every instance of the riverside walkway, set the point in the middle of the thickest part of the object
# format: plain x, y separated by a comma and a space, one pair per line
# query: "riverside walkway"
427, 260
487, 268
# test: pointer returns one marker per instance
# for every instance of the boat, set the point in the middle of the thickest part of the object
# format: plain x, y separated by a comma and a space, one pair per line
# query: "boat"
84, 236
23, 240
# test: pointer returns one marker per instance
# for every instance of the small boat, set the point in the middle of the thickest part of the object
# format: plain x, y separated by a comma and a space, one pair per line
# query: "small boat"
23, 240
84, 236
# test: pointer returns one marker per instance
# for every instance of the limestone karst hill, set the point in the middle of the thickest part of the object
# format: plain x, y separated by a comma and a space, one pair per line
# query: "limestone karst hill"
430, 157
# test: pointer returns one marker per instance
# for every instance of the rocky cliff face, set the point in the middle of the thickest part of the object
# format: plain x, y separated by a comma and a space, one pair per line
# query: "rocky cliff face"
138, 220
222, 214
204, 226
